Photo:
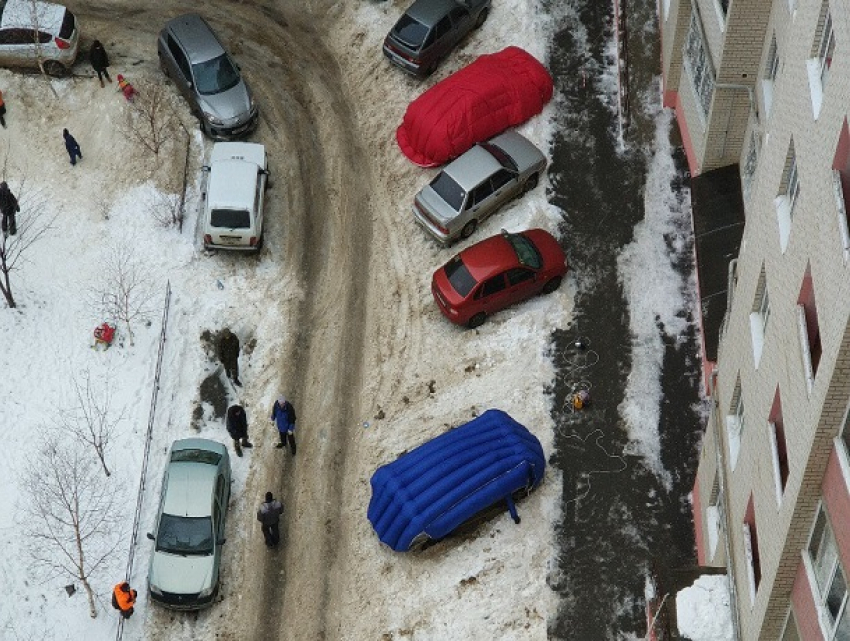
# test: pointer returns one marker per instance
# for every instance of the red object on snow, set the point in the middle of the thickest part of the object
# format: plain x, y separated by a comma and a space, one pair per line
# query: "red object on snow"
104, 333
496, 91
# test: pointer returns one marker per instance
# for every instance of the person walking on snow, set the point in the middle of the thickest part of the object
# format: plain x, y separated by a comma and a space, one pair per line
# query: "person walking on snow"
99, 61
269, 517
237, 427
123, 599
72, 146
8, 207
228, 354
283, 416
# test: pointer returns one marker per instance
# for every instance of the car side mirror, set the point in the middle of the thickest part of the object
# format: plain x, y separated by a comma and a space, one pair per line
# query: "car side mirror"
222, 541
205, 168
151, 537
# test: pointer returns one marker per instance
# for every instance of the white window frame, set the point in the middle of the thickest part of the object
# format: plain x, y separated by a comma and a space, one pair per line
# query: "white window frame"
748, 552
777, 470
826, 48
802, 328
735, 430
792, 189
771, 69
750, 163
822, 571
697, 63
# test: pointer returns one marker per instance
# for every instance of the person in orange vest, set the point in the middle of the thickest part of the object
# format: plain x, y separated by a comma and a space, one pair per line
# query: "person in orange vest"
123, 599
125, 87
2, 111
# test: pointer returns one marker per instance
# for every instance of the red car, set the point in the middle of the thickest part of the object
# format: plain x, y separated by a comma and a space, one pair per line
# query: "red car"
496, 273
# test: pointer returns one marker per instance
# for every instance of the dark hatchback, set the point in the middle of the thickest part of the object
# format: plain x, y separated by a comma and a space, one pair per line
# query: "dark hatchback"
429, 30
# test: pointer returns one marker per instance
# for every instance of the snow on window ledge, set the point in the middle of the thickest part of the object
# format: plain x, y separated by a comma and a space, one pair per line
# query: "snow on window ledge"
733, 434
815, 86
712, 524
783, 219
757, 333
751, 574
767, 96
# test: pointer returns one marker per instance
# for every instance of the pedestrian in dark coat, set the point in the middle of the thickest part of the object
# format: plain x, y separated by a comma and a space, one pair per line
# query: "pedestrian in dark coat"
228, 353
2, 111
283, 416
237, 427
72, 146
269, 517
99, 61
8, 207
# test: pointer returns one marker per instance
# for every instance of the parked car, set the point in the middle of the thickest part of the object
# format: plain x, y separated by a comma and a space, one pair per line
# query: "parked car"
455, 481
33, 32
498, 272
184, 566
234, 195
477, 184
191, 54
429, 30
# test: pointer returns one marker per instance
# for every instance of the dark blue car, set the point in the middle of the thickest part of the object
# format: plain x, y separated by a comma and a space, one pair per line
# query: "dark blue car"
432, 490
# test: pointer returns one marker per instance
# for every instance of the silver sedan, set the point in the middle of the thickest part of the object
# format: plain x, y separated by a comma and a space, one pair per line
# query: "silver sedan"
476, 185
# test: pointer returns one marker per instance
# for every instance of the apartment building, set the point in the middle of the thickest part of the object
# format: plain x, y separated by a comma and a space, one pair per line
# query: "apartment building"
761, 88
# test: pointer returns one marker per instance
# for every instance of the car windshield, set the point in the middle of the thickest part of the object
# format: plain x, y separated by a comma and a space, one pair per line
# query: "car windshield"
410, 32
501, 155
526, 252
459, 276
195, 456
215, 76
230, 218
185, 535
448, 190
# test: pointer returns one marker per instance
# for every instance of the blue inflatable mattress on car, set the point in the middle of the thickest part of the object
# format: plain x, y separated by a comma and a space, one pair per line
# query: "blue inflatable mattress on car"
430, 491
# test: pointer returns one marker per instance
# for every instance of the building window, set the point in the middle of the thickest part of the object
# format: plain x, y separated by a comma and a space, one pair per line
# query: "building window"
750, 163
698, 66
841, 186
790, 632
759, 315
735, 424
820, 61
830, 585
751, 550
809, 329
778, 446
770, 71
714, 518
789, 196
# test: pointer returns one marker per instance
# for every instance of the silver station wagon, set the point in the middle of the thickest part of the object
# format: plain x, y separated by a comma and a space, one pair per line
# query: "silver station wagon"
477, 184
191, 55
185, 563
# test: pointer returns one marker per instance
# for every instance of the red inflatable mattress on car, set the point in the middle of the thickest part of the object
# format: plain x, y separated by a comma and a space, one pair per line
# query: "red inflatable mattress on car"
496, 91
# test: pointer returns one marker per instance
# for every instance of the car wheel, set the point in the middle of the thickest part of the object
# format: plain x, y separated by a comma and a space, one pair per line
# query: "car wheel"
552, 285
469, 229
481, 18
477, 320
54, 68
531, 183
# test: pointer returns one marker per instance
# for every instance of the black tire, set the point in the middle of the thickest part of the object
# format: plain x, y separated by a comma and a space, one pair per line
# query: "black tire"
477, 320
54, 68
552, 285
469, 229
481, 18
432, 68
531, 183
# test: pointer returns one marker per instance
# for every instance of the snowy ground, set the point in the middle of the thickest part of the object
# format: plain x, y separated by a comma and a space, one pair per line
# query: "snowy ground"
419, 373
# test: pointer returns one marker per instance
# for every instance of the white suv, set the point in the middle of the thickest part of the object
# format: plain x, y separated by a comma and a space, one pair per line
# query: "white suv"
33, 33
236, 180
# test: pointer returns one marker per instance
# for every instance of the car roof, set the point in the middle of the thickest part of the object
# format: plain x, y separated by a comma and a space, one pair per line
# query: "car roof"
19, 13
472, 167
232, 184
489, 257
429, 12
191, 483
196, 37
250, 151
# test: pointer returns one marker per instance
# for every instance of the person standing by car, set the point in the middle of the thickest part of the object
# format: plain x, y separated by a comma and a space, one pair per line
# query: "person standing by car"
228, 354
2, 111
8, 207
72, 146
99, 61
283, 416
123, 599
269, 517
237, 427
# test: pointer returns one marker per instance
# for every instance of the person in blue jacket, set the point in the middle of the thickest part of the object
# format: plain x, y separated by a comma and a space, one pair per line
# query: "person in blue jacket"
283, 416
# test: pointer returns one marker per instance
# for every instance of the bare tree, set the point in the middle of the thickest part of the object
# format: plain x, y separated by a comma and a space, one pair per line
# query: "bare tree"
91, 421
33, 222
125, 293
38, 17
166, 209
151, 120
72, 525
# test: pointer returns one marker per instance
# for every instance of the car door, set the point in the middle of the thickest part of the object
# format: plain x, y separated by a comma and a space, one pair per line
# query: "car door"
260, 203
492, 295
181, 71
522, 284
19, 47
461, 24
443, 39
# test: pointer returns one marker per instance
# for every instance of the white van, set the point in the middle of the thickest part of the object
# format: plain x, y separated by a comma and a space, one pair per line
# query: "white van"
233, 195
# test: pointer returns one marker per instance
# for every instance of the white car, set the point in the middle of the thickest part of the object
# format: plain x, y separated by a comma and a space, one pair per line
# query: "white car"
33, 32
236, 181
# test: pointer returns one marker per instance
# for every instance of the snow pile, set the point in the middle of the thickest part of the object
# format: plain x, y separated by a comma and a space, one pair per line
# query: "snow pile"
702, 610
